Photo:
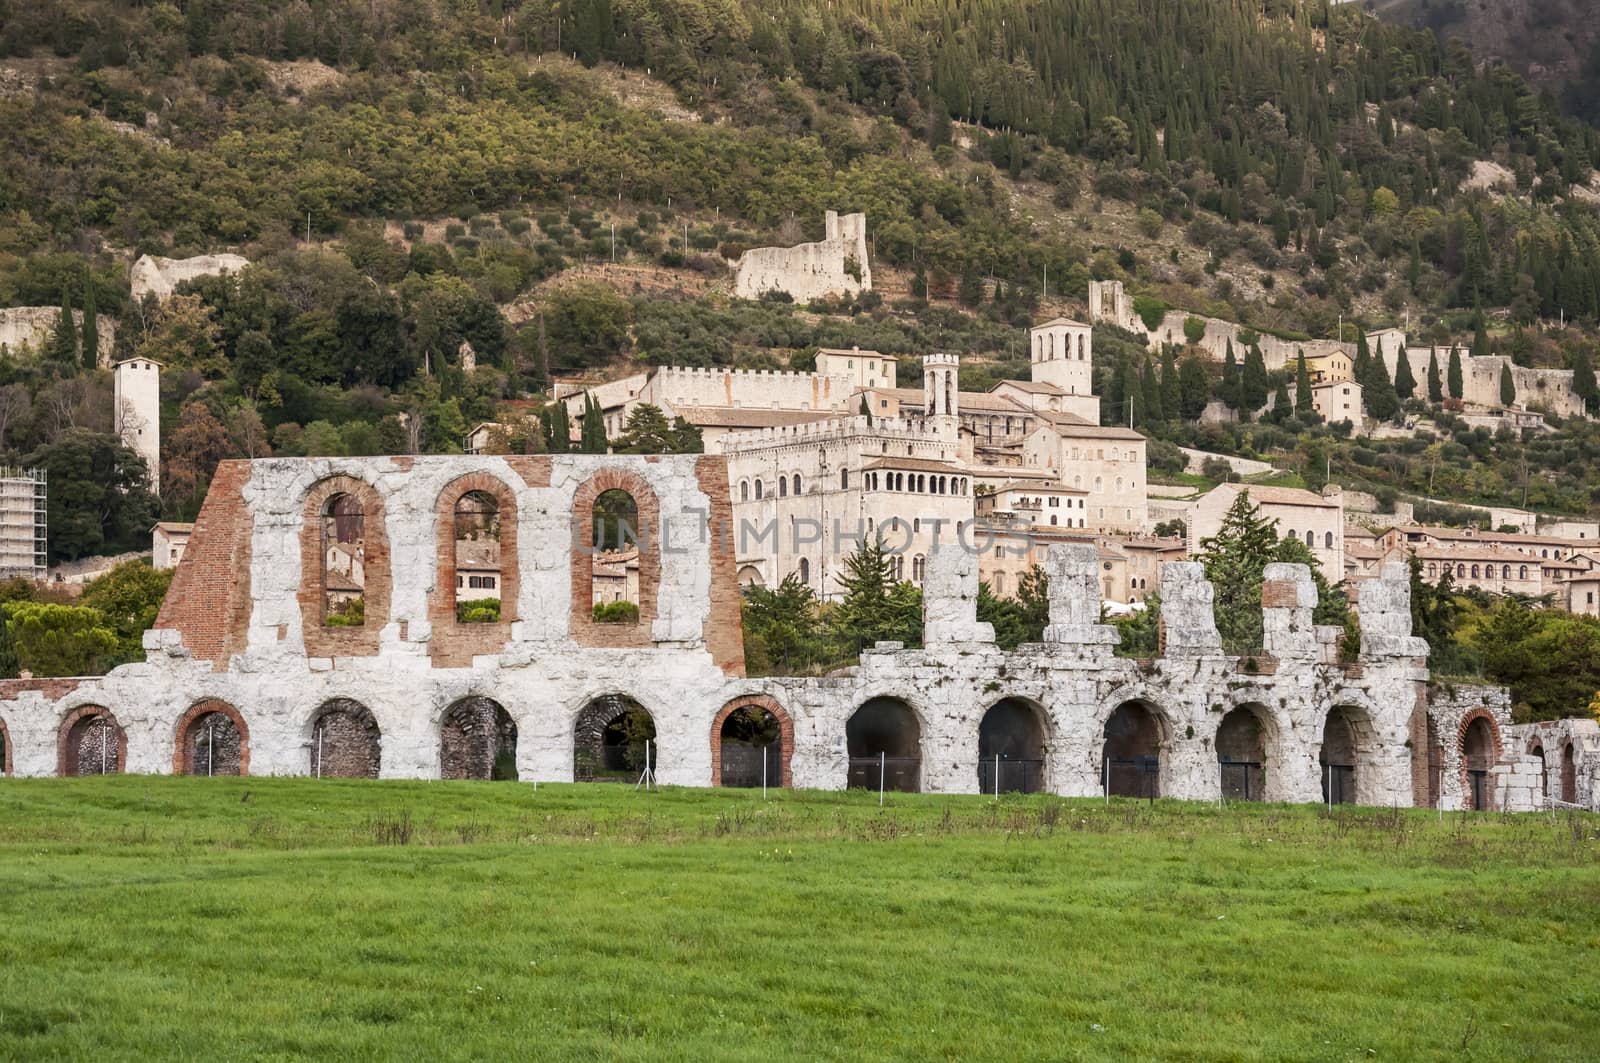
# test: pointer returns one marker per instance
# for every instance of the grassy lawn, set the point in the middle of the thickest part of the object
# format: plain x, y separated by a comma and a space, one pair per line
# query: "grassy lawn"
282, 919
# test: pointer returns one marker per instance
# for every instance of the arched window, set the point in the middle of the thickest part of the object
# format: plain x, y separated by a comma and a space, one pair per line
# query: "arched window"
783, 485
1082, 352
844, 479
805, 570
1505, 572
999, 583
1311, 538
1474, 571
1433, 569
1461, 571
1052, 345
344, 572
477, 558
744, 490
1099, 484
1327, 540
1522, 572
614, 569
1119, 485
795, 485
758, 490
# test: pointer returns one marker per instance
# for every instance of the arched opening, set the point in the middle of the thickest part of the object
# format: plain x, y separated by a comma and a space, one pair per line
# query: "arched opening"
1537, 750
477, 546
1241, 746
612, 739
751, 745
783, 486
795, 482
344, 556
345, 741
1477, 757
212, 740
1338, 758
884, 740
5, 750
478, 740
750, 576
805, 571
615, 572
1011, 748
92, 743
1569, 774
1131, 757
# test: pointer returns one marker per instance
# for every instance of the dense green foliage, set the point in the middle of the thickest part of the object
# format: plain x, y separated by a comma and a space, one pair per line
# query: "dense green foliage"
466, 920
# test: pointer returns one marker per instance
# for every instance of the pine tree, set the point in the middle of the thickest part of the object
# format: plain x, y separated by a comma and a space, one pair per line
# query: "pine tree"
1235, 560
91, 326
1302, 385
1171, 389
1508, 387
1435, 388
870, 609
1405, 385
64, 342
647, 432
1454, 373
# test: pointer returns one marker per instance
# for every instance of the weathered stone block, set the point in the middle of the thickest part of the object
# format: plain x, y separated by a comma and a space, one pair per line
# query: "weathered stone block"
1188, 619
950, 598
1075, 597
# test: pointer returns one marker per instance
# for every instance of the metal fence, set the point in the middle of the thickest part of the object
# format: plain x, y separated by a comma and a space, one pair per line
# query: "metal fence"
1135, 777
898, 773
1339, 784
1016, 776
743, 764
1241, 780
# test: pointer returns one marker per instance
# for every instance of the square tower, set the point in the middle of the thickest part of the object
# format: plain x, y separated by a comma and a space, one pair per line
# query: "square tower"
136, 411
1062, 353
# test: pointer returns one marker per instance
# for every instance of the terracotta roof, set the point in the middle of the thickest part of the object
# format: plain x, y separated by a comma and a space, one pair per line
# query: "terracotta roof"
1081, 429
1061, 321
1035, 387
965, 400
477, 553
1018, 485
855, 352
913, 465
1282, 496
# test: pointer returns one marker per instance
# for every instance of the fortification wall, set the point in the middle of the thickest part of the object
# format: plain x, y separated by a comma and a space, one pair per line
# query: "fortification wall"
754, 389
835, 265
160, 277
34, 326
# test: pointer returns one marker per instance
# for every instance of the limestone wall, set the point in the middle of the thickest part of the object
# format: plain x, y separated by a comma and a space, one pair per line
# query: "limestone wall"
33, 327
810, 271
160, 277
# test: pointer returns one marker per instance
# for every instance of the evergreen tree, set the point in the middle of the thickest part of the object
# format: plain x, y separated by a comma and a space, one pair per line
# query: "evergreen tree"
1302, 385
1150, 389
1253, 380
971, 290
871, 610
1454, 373
866, 409
592, 437
1435, 388
1171, 389
1377, 390
8, 649
1132, 394
1195, 386
647, 432
91, 326
1480, 331
686, 438
1583, 381
1235, 559
1230, 379
1405, 385
64, 342
1281, 407
1508, 387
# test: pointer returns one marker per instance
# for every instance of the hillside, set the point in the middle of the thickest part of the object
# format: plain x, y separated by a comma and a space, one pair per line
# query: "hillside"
561, 188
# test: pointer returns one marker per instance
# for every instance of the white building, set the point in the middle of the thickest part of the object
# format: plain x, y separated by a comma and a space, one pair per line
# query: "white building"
167, 542
1317, 520
136, 411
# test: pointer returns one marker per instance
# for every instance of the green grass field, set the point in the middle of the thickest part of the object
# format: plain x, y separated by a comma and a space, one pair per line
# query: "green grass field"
283, 919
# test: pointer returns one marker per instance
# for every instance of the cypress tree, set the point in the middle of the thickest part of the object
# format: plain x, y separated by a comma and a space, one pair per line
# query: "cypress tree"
866, 410
91, 326
1405, 385
1280, 401
1132, 394
64, 343
1508, 387
8, 649
1302, 385
1480, 331
1454, 373
1171, 389
1253, 381
1435, 389
1583, 381
1230, 379
592, 439
1151, 389
1195, 386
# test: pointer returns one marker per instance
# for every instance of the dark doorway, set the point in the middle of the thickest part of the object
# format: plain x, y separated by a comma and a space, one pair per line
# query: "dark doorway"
1338, 758
1477, 754
1011, 742
1242, 756
751, 741
345, 742
885, 745
1131, 757
1569, 775
613, 737
478, 740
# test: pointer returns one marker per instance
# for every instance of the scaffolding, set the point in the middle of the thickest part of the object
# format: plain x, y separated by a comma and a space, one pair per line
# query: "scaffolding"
24, 522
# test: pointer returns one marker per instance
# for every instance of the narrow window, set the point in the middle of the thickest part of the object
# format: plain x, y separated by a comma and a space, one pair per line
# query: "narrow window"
477, 545
344, 529
615, 569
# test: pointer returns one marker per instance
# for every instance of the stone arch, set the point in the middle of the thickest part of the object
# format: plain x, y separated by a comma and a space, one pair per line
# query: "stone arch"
883, 739
1536, 749
1246, 744
1013, 747
357, 640
91, 742
5, 749
1133, 734
612, 736
1569, 773
1478, 742
454, 642
582, 626
768, 705
346, 742
1345, 753
477, 740
750, 576
211, 738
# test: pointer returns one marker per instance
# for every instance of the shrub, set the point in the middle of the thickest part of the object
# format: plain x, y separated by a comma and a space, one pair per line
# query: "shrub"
616, 613
1150, 310
478, 611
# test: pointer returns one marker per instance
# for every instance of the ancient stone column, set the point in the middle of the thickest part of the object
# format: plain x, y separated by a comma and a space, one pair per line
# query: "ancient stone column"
950, 598
1288, 596
1188, 623
1075, 598
1385, 608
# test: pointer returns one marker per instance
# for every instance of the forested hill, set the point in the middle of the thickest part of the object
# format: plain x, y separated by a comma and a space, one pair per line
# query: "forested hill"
407, 175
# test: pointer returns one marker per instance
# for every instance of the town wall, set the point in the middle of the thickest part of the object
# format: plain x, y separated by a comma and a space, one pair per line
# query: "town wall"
810, 271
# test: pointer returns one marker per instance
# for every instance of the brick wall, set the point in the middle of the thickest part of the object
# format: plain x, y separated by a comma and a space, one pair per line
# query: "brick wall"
322, 640
474, 734
583, 629
209, 599
785, 735
212, 739
454, 644
345, 742
724, 629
